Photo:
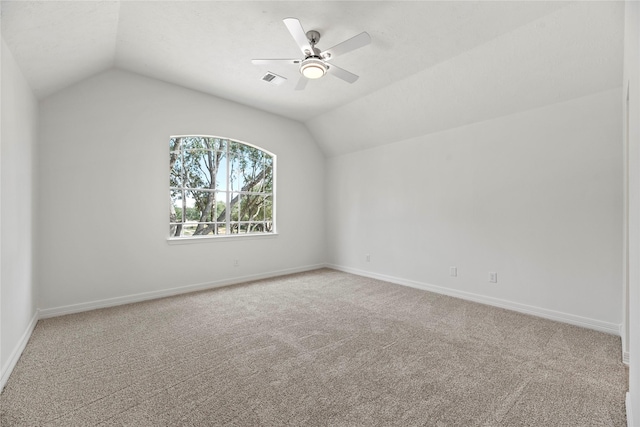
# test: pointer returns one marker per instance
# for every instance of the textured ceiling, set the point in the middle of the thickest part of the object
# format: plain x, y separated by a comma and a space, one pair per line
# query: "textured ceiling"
431, 65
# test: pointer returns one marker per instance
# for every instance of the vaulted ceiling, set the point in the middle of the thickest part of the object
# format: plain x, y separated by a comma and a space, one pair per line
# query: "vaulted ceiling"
431, 65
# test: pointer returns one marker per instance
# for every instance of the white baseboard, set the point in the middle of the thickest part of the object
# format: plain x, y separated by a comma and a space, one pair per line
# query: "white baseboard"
627, 402
145, 296
625, 357
17, 351
610, 328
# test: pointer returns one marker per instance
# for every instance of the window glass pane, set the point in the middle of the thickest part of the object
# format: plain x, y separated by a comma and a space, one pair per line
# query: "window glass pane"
222, 229
263, 185
201, 205
175, 170
255, 160
204, 229
221, 205
219, 162
214, 179
200, 168
175, 144
233, 147
221, 175
219, 144
268, 208
196, 229
252, 208
236, 199
268, 164
175, 213
207, 142
175, 230
188, 229
233, 229
235, 177
254, 166
243, 208
194, 143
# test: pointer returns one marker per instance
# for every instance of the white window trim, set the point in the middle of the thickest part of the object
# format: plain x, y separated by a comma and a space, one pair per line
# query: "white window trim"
172, 240
222, 237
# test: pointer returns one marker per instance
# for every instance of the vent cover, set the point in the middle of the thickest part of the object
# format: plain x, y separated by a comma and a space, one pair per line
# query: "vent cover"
273, 78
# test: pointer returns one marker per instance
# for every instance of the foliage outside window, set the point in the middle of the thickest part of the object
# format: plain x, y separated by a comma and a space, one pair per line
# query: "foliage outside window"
218, 186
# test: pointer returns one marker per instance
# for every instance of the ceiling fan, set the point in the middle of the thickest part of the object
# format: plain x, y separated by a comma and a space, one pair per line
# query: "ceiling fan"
315, 63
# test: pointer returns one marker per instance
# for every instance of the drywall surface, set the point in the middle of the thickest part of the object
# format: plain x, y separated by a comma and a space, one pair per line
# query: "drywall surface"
17, 154
104, 191
631, 87
572, 52
535, 196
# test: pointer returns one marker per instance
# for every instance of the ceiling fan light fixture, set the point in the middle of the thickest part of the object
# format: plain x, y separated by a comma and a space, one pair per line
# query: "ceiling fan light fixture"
313, 68
316, 62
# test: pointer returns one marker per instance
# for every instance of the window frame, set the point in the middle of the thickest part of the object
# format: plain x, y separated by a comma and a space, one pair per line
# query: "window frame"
229, 196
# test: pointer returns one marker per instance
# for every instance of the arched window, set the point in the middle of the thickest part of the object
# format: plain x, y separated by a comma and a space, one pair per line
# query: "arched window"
219, 187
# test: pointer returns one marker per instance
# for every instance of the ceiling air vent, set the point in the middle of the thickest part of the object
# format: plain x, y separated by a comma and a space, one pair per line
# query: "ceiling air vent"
273, 78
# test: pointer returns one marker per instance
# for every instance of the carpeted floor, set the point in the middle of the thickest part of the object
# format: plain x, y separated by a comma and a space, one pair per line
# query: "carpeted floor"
317, 348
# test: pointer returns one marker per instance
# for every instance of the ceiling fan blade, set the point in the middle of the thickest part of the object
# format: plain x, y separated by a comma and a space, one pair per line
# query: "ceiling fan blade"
302, 83
353, 43
275, 61
295, 28
342, 73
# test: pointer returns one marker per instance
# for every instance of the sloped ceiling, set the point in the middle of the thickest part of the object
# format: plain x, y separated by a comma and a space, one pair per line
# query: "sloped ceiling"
431, 65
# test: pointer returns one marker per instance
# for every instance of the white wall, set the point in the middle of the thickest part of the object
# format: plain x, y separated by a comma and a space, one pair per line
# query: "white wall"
104, 202
575, 50
631, 85
17, 153
534, 196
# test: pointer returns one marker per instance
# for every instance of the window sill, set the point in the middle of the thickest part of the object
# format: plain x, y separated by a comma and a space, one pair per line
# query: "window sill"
190, 240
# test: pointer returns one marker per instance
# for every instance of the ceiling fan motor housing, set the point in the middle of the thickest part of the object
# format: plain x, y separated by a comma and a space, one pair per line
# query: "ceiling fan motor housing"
313, 36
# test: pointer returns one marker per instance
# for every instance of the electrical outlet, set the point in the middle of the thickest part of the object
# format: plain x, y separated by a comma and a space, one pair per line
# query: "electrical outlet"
453, 271
367, 258
493, 277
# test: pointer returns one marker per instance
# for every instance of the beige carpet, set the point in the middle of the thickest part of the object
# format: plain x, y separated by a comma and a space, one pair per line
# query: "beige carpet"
318, 348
